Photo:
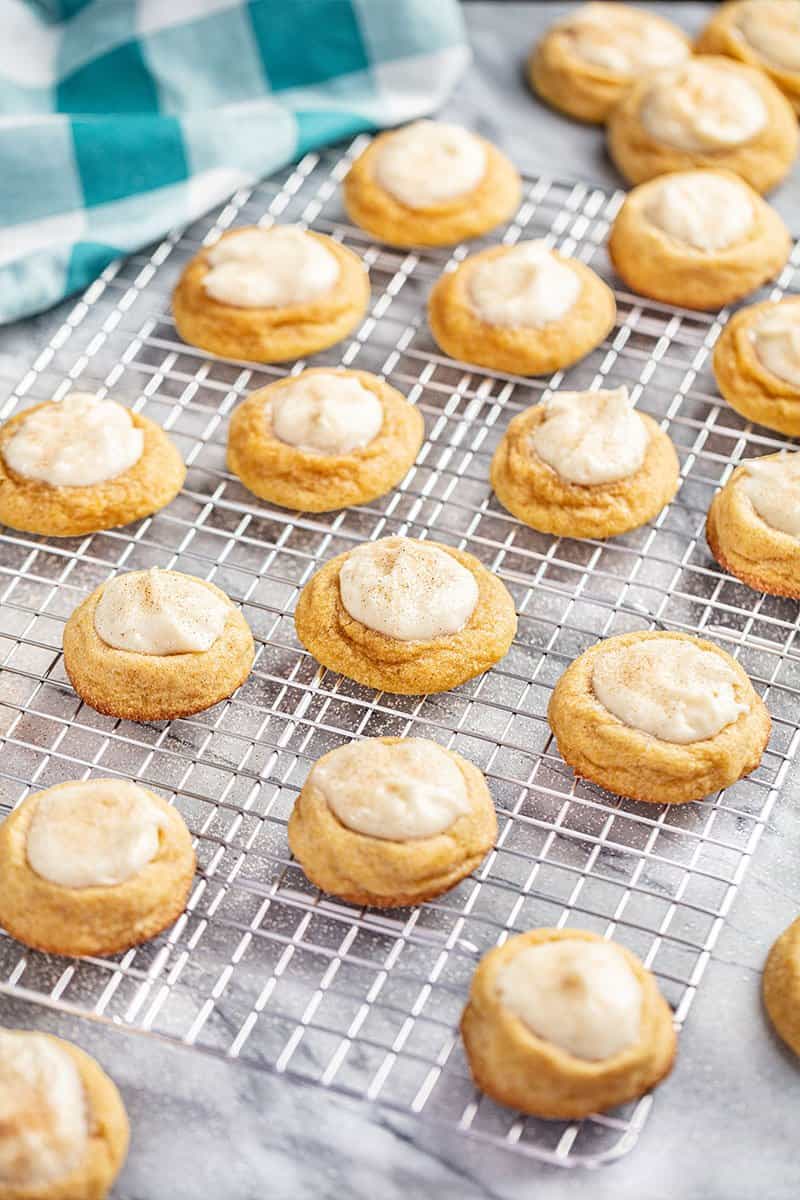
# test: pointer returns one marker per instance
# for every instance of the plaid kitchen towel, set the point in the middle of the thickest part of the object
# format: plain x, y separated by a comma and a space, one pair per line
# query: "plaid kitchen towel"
120, 119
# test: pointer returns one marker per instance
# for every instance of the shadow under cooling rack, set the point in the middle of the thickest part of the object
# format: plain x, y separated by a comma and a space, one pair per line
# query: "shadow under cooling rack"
261, 967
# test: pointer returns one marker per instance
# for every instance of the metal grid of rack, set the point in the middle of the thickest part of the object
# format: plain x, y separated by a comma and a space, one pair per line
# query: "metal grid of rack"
262, 967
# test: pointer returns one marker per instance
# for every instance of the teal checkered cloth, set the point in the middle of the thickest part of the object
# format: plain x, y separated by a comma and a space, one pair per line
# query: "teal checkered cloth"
121, 119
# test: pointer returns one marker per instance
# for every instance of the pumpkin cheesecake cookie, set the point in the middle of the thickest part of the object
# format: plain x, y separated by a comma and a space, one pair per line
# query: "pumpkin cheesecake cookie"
762, 33
269, 295
406, 616
430, 184
524, 309
753, 525
64, 1128
156, 645
697, 239
708, 112
587, 61
757, 364
585, 464
390, 822
781, 986
561, 1024
93, 867
659, 717
82, 464
324, 439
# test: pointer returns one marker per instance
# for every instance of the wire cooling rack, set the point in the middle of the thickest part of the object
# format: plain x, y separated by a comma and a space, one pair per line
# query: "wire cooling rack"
261, 967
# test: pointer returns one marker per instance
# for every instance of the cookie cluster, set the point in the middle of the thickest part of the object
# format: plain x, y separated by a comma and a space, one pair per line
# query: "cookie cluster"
558, 1023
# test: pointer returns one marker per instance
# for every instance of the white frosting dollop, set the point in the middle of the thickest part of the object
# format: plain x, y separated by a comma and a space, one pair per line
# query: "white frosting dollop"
44, 1124
270, 268
591, 437
776, 341
430, 162
525, 285
75, 442
159, 612
772, 29
97, 833
581, 996
412, 789
623, 40
671, 689
407, 589
772, 485
702, 106
700, 209
325, 414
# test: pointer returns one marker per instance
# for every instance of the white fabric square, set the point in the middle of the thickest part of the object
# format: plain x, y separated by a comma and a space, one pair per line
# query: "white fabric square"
153, 15
17, 241
28, 46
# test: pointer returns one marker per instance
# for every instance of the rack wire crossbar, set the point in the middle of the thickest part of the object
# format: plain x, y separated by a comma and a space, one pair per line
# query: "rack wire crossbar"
261, 967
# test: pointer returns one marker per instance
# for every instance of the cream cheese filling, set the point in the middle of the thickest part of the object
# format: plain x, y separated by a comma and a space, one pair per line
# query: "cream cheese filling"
591, 437
671, 689
772, 485
160, 612
702, 107
270, 268
399, 792
702, 210
776, 341
95, 833
407, 589
44, 1124
79, 441
526, 285
325, 414
622, 39
581, 996
429, 163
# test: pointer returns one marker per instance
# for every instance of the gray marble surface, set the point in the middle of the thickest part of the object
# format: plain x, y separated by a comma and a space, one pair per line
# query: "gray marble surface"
724, 1125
